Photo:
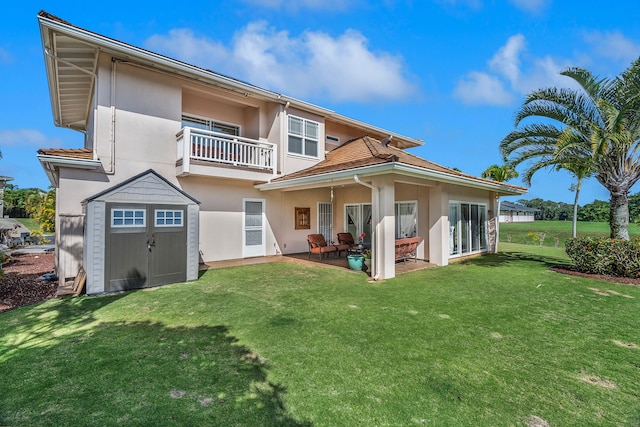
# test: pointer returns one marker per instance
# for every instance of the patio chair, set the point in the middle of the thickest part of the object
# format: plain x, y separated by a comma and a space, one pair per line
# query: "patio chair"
345, 242
318, 245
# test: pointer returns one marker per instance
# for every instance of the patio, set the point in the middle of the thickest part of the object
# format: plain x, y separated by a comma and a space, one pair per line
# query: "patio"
327, 261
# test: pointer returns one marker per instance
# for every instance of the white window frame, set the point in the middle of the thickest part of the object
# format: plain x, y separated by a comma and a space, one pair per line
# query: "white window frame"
210, 124
303, 136
165, 211
456, 230
132, 210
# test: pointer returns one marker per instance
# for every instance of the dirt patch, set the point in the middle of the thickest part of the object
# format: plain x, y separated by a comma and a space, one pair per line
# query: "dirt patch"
535, 421
600, 382
626, 344
21, 280
569, 269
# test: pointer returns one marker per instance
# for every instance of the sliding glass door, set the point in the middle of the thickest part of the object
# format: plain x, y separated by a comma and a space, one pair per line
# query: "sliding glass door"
467, 228
358, 220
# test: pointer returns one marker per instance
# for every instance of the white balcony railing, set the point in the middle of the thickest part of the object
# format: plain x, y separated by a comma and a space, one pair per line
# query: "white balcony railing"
197, 144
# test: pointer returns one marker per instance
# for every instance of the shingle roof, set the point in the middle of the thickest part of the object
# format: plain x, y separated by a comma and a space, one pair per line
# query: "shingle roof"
368, 151
79, 153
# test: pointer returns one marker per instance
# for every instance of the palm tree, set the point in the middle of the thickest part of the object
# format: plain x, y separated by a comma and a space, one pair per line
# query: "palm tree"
592, 130
500, 173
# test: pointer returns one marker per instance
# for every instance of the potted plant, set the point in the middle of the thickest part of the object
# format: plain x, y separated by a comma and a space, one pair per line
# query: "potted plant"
367, 259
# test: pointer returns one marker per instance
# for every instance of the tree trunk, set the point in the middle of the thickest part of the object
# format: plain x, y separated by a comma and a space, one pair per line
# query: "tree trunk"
574, 228
619, 215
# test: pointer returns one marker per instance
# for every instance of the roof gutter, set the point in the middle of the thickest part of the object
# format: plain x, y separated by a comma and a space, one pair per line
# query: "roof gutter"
52, 163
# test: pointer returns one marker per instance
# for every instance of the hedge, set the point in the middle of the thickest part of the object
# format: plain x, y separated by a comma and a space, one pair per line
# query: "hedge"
605, 256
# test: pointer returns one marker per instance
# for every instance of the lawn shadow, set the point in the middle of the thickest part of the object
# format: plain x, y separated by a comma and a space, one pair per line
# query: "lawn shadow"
506, 258
140, 373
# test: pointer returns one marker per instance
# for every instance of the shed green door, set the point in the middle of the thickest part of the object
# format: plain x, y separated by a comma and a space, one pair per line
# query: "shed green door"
146, 245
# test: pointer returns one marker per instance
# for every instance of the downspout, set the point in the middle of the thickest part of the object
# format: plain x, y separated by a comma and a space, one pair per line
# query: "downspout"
112, 106
376, 216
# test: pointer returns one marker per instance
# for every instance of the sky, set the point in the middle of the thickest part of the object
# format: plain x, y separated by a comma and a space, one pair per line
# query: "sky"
449, 72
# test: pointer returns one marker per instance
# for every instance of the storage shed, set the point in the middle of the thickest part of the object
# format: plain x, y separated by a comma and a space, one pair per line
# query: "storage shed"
140, 233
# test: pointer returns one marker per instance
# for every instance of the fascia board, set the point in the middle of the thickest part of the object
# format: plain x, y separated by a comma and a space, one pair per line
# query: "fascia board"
51, 73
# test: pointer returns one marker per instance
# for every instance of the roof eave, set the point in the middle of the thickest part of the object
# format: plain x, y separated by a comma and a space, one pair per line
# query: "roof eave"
393, 167
51, 164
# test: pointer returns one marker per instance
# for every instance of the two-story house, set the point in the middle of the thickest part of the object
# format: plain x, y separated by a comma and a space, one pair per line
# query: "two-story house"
181, 165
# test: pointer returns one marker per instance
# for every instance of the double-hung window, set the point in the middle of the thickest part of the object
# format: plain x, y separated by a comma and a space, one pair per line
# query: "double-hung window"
303, 136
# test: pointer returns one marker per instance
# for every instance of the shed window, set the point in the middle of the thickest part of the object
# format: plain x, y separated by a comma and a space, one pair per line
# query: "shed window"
128, 218
168, 218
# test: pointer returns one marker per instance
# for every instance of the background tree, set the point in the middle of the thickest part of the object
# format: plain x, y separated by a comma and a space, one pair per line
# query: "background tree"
15, 200
42, 208
596, 127
500, 173
596, 211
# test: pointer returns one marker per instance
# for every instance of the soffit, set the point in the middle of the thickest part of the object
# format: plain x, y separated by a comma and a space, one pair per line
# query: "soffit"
71, 67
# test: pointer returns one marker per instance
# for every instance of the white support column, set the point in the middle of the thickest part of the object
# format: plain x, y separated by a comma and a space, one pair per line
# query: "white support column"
438, 226
385, 227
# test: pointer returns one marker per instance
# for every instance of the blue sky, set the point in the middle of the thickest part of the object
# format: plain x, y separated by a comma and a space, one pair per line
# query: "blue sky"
450, 72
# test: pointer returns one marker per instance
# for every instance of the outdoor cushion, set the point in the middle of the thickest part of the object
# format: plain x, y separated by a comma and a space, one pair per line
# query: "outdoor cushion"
345, 242
318, 245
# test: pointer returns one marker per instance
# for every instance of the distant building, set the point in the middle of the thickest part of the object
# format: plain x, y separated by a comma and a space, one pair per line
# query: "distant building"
513, 212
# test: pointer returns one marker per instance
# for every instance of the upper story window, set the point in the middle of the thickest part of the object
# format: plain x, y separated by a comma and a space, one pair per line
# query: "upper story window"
208, 124
303, 136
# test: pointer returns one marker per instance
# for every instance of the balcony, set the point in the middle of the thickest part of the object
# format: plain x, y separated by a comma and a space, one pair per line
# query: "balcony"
201, 152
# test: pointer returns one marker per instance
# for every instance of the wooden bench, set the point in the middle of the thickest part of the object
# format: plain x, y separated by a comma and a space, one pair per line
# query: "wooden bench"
407, 248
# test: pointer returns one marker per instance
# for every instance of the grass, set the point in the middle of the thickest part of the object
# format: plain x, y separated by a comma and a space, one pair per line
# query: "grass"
519, 232
30, 223
494, 341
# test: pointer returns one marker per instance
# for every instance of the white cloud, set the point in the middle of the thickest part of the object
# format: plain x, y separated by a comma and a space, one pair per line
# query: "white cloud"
512, 74
314, 64
481, 88
613, 45
184, 45
506, 60
532, 6
27, 137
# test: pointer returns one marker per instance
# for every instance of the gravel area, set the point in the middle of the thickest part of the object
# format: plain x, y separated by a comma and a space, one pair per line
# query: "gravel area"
21, 280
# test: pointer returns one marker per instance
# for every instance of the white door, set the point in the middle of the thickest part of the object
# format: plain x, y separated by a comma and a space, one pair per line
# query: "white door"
253, 235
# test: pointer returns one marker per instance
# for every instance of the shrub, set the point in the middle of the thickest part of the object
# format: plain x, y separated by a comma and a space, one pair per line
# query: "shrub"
605, 256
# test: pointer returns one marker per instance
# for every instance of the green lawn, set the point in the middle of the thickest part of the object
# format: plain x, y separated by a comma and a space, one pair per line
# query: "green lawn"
519, 232
30, 223
494, 341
